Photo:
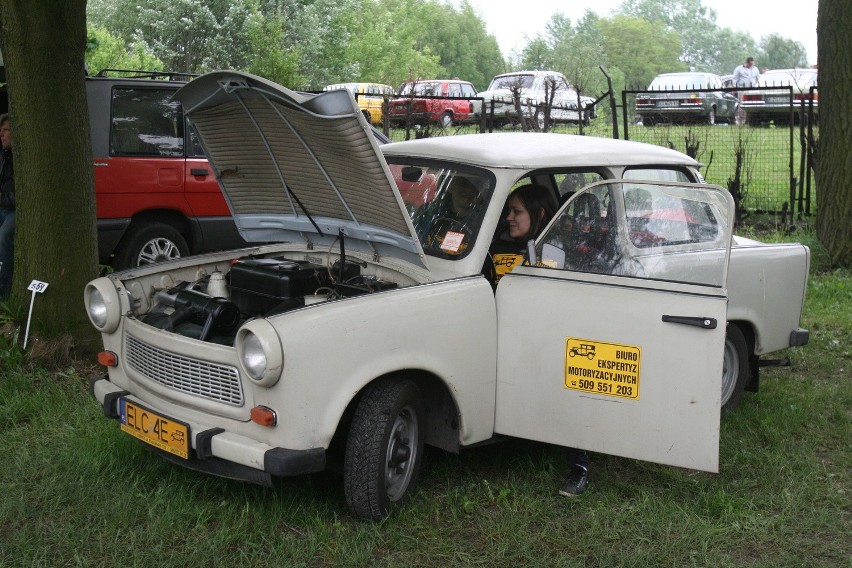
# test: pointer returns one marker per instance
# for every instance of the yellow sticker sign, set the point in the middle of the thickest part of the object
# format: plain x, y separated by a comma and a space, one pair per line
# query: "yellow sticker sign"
602, 368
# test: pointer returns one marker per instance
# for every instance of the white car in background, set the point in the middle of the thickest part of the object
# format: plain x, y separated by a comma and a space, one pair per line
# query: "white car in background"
779, 92
534, 88
375, 326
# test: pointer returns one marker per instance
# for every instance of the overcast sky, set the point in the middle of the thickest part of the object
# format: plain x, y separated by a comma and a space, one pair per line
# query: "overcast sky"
512, 23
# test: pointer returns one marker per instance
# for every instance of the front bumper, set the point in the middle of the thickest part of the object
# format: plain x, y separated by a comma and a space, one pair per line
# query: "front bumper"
219, 452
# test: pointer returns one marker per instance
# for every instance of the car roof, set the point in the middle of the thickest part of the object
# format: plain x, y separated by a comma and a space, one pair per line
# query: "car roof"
537, 72
680, 73
535, 150
421, 81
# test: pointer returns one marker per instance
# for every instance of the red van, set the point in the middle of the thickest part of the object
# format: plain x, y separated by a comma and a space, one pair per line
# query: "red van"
157, 197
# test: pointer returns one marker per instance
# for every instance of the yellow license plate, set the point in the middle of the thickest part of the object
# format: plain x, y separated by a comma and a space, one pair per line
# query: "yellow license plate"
154, 429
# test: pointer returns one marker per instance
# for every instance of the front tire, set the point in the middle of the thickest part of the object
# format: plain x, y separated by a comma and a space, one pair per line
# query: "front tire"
735, 368
148, 243
384, 448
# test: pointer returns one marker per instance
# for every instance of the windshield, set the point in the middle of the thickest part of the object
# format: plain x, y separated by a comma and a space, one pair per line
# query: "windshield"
446, 203
687, 81
423, 89
509, 81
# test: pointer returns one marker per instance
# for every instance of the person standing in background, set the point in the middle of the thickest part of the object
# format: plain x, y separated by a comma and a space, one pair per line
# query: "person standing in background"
746, 75
7, 207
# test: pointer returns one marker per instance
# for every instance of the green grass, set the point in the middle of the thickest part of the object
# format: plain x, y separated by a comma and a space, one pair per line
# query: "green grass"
78, 492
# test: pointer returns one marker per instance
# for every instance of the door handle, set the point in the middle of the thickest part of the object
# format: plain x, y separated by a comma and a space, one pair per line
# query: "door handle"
198, 171
704, 323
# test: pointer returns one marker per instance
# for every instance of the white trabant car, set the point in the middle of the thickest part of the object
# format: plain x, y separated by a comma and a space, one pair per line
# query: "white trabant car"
374, 328
535, 91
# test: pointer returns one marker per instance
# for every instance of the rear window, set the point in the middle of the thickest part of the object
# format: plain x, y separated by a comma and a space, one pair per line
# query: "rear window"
145, 122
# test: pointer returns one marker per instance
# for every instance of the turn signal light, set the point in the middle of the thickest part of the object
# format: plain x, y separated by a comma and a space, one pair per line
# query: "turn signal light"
264, 416
108, 359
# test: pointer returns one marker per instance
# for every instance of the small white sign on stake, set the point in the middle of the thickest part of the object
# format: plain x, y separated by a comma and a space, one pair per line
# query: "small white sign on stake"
36, 287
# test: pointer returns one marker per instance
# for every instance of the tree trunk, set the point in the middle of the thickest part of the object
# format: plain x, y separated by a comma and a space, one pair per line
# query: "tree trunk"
834, 167
43, 46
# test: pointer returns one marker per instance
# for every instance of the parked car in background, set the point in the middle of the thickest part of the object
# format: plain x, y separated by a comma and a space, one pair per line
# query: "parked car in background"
534, 88
370, 96
157, 197
686, 97
767, 103
223, 363
455, 107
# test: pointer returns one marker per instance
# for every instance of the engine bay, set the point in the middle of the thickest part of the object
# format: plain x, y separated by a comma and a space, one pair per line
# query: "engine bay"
214, 304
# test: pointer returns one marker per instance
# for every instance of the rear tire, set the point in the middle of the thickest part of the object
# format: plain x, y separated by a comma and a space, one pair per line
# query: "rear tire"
446, 120
148, 243
711, 117
735, 368
384, 448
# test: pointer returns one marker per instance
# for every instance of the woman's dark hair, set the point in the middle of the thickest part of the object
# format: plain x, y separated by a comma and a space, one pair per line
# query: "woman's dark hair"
540, 203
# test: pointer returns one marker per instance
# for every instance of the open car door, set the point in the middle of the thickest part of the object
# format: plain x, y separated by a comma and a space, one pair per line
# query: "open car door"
613, 340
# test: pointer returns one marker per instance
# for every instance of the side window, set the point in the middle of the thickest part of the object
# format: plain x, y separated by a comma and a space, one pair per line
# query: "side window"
583, 237
194, 149
454, 90
145, 122
641, 229
657, 174
468, 90
569, 183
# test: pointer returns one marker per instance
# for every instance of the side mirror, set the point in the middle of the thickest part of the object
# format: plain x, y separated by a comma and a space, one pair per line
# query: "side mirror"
411, 173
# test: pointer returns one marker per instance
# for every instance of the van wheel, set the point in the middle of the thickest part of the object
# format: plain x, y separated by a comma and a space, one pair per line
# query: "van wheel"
384, 448
735, 369
367, 116
150, 243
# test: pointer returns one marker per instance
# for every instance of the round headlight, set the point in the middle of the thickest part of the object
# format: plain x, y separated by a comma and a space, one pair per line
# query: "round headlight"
102, 304
253, 357
97, 307
259, 352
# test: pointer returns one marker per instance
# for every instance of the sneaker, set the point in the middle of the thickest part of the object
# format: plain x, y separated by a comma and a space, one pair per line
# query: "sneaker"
576, 483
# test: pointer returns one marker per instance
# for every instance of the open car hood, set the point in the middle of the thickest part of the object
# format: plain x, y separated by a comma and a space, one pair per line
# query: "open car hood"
296, 167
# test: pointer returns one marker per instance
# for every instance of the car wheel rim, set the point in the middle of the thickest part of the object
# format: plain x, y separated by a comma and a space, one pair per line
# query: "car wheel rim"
401, 453
730, 367
158, 250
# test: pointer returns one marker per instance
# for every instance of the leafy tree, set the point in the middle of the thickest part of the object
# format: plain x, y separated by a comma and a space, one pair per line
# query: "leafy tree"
321, 32
186, 35
834, 167
776, 52
271, 58
640, 48
695, 23
384, 46
43, 45
105, 51
458, 37
729, 49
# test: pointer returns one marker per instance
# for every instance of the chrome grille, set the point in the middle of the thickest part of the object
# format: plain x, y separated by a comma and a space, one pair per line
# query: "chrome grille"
212, 381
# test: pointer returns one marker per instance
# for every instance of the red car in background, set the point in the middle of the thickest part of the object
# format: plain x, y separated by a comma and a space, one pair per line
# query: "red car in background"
441, 101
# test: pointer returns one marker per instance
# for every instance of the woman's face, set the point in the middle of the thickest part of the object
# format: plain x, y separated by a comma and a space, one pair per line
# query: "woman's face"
519, 219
